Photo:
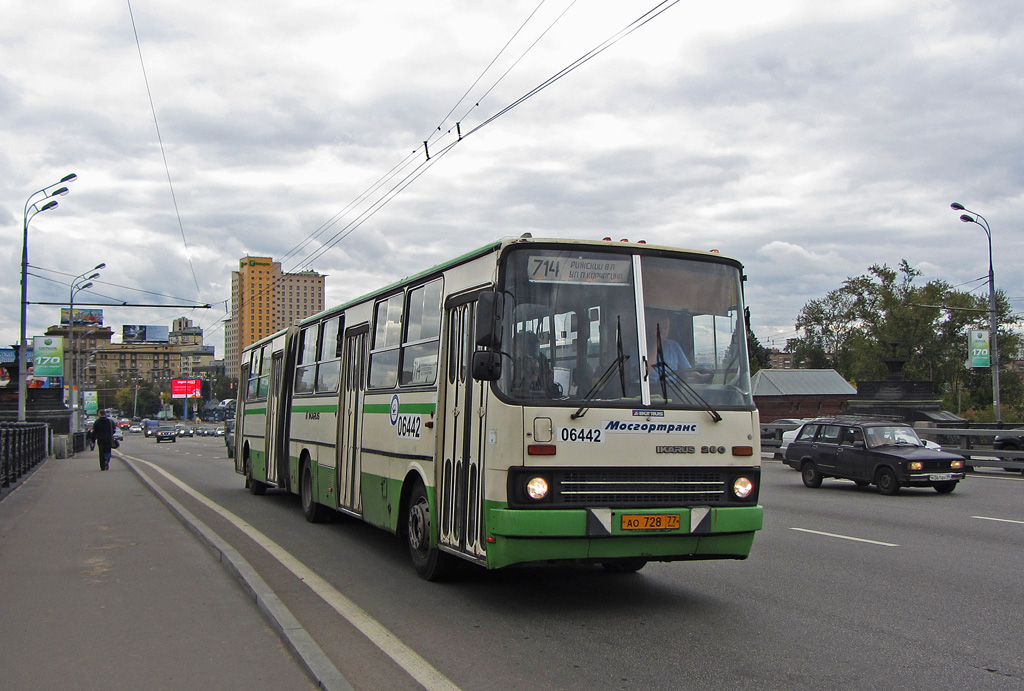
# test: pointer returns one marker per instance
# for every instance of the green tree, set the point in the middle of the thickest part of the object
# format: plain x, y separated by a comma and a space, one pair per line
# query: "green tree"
886, 315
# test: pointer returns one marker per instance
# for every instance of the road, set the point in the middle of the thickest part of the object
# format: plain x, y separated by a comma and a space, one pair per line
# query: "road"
844, 588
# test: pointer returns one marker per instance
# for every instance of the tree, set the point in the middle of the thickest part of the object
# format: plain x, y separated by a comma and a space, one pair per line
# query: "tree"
884, 315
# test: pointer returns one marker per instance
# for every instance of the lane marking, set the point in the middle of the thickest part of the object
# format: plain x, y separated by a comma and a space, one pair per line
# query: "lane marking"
846, 537
404, 656
1001, 520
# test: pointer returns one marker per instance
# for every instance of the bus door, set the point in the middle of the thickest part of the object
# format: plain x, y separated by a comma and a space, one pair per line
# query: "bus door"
351, 432
461, 476
275, 473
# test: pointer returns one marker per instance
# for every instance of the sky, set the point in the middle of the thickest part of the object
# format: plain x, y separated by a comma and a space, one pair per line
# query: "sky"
809, 140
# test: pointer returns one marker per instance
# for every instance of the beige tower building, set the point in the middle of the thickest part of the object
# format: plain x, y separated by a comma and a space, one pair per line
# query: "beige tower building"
265, 300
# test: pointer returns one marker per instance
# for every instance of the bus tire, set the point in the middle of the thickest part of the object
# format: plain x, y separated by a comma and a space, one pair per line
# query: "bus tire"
255, 487
314, 512
431, 563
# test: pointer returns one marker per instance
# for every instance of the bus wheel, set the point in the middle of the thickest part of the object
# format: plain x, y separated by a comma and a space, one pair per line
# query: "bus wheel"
430, 562
629, 565
254, 486
314, 512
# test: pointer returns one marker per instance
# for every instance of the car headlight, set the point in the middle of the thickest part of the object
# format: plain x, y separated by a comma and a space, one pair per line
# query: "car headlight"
915, 465
537, 488
956, 464
742, 487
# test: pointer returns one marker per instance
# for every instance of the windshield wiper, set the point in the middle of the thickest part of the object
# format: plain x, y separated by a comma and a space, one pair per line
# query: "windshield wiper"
618, 362
681, 387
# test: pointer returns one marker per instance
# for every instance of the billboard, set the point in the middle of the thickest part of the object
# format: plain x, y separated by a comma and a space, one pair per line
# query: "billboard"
138, 333
186, 388
978, 348
89, 317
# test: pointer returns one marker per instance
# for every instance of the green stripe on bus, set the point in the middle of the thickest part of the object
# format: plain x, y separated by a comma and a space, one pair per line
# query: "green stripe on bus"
255, 411
314, 408
384, 408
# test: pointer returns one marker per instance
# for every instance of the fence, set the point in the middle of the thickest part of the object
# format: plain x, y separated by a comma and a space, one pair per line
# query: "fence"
22, 445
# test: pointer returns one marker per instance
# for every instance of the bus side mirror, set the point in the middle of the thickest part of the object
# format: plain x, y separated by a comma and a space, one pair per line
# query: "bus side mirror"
486, 365
490, 308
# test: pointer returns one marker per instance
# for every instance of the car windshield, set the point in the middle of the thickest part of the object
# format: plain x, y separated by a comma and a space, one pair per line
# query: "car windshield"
892, 435
606, 328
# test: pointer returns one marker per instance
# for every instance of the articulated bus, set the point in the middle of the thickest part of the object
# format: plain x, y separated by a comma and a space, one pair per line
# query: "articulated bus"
534, 401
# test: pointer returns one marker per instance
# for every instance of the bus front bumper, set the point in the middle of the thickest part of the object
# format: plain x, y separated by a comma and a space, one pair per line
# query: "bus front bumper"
517, 536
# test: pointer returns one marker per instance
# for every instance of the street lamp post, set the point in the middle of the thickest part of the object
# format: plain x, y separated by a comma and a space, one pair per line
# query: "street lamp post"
993, 317
77, 286
31, 209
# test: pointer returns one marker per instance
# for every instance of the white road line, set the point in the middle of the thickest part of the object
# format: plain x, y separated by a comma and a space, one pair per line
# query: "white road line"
1001, 520
407, 658
846, 537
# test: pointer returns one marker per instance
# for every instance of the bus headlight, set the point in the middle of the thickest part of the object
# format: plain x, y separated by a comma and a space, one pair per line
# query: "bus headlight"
537, 488
742, 487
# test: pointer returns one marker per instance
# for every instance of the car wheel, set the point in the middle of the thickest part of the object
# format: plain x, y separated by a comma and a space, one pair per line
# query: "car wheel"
944, 487
886, 481
810, 475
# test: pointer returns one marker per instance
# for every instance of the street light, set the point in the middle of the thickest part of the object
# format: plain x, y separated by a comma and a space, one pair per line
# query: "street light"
77, 286
993, 317
35, 209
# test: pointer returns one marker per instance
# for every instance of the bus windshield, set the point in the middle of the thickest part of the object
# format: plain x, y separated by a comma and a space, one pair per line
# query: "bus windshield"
608, 328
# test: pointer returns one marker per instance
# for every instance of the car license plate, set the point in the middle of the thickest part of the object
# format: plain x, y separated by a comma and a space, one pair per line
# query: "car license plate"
650, 521
940, 477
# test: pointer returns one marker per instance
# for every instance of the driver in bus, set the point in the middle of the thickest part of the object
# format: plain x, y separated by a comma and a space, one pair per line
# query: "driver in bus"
532, 375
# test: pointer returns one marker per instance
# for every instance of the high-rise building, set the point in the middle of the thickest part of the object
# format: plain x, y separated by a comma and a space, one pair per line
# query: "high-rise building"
264, 300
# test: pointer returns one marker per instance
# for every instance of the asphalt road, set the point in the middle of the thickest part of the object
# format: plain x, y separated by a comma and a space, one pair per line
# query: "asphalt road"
844, 588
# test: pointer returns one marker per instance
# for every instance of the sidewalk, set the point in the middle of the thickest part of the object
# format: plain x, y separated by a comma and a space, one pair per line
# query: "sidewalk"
103, 588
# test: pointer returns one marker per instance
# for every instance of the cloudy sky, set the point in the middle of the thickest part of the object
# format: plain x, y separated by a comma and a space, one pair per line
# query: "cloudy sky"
808, 139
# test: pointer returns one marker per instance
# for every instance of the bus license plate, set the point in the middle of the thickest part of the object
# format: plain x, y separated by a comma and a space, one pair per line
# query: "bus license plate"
650, 521
940, 477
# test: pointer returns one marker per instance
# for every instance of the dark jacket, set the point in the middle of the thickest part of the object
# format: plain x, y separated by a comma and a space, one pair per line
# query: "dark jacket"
103, 431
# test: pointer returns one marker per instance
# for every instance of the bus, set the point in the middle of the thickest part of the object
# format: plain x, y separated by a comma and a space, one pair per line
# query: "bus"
536, 401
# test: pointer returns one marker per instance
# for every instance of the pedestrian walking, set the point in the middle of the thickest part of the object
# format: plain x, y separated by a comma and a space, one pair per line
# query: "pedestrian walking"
103, 435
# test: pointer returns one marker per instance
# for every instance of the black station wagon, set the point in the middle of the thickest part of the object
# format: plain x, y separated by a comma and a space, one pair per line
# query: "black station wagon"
871, 451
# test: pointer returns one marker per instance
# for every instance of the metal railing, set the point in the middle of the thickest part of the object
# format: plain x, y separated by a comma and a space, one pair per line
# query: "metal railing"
22, 445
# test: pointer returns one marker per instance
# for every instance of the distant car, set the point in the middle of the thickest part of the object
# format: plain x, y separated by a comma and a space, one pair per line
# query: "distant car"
1011, 440
184, 431
219, 432
875, 451
118, 436
789, 435
165, 434
135, 429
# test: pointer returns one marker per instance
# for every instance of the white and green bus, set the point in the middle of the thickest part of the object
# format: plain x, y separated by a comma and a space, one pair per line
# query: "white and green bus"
534, 401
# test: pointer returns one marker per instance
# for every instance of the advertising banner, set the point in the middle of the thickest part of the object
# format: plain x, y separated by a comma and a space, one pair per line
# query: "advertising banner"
86, 317
186, 388
979, 349
140, 333
91, 401
48, 356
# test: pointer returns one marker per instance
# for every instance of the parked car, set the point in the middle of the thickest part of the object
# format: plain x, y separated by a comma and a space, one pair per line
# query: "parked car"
875, 451
165, 434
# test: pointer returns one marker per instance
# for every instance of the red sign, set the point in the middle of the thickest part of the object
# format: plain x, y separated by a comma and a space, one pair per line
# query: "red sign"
186, 388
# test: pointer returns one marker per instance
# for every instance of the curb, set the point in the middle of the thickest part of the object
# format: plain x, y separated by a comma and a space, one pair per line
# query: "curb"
312, 657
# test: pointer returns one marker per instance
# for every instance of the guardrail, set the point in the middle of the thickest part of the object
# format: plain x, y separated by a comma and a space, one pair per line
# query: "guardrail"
22, 445
962, 441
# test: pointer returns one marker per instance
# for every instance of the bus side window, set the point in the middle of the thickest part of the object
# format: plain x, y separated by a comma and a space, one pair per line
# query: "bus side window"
386, 341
